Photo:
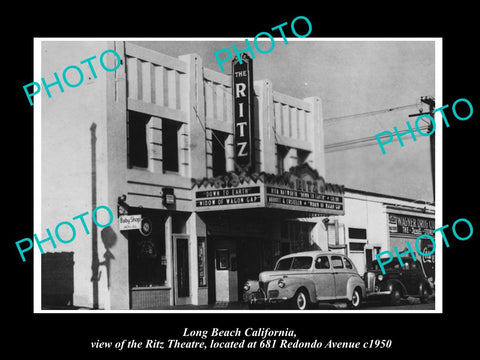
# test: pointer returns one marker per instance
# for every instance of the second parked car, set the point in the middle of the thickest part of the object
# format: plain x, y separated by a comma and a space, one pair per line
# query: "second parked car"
304, 279
398, 282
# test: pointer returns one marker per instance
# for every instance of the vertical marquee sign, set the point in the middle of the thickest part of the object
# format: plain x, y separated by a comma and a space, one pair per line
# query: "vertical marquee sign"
244, 141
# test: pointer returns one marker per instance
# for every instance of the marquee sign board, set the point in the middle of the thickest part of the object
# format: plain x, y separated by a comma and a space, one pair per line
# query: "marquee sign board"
291, 199
240, 197
260, 195
243, 95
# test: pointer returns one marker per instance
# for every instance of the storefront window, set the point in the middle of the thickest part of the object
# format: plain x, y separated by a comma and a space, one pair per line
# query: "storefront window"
147, 259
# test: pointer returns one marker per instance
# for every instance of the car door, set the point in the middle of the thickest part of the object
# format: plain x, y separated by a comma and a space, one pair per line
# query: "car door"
323, 278
341, 276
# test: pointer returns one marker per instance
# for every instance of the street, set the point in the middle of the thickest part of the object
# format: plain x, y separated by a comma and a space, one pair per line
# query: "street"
406, 304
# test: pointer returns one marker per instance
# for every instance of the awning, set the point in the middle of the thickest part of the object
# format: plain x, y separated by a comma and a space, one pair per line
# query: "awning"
300, 189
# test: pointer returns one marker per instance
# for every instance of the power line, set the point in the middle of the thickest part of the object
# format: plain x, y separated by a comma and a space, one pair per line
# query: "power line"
361, 142
344, 117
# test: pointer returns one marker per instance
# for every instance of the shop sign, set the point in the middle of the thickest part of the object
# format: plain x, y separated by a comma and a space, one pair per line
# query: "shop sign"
129, 222
243, 112
405, 224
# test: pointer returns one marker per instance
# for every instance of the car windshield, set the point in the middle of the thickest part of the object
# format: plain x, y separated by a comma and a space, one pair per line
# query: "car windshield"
302, 263
295, 263
394, 264
284, 264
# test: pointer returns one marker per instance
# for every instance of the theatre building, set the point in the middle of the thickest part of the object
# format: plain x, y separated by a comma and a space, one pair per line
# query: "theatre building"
210, 177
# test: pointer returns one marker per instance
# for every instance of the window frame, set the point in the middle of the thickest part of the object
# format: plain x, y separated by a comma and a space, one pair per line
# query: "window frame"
323, 268
341, 261
347, 261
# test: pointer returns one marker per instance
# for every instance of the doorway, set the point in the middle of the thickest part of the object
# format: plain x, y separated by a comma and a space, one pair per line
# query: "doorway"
181, 278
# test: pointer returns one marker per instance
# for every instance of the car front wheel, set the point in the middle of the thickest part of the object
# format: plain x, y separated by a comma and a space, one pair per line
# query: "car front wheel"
300, 300
356, 299
395, 296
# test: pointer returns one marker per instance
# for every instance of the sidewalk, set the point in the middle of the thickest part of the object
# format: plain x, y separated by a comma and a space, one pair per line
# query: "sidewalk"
215, 306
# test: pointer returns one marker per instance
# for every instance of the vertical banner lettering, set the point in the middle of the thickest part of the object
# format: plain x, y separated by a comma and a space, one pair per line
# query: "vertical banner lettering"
244, 142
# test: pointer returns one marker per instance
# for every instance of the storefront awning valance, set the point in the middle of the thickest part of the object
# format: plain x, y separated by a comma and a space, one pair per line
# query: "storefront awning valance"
301, 189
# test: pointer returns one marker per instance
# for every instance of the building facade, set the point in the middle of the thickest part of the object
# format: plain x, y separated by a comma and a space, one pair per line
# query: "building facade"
375, 222
156, 141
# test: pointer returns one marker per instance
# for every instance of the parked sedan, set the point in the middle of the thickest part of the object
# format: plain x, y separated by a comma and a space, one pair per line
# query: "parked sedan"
398, 282
307, 278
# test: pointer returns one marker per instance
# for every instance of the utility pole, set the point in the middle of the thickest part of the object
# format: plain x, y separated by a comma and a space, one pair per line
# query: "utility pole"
95, 260
430, 101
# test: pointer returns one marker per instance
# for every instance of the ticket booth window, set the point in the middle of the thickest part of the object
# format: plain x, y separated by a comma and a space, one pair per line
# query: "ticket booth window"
222, 259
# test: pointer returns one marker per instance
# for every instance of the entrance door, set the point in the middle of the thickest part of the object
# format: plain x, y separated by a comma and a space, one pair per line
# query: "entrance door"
181, 279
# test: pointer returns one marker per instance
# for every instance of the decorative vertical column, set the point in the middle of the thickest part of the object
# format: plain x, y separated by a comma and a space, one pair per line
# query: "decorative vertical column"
264, 122
229, 153
195, 109
193, 252
169, 255
315, 126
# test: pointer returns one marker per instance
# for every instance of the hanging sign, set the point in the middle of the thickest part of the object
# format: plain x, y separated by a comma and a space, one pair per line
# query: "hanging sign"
129, 222
244, 142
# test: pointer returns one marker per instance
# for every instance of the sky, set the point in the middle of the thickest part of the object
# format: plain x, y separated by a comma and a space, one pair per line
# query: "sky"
351, 77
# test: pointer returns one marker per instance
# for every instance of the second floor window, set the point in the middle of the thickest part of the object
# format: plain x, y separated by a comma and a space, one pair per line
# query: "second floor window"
219, 159
137, 139
170, 145
281, 155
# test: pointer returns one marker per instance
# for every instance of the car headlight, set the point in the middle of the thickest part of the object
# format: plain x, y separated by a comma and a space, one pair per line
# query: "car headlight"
281, 283
246, 287
380, 277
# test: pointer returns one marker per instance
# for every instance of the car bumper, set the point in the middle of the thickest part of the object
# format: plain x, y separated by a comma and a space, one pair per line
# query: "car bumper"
260, 299
378, 293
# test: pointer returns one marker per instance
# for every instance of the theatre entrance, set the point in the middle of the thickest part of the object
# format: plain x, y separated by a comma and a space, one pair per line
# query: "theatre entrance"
232, 261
